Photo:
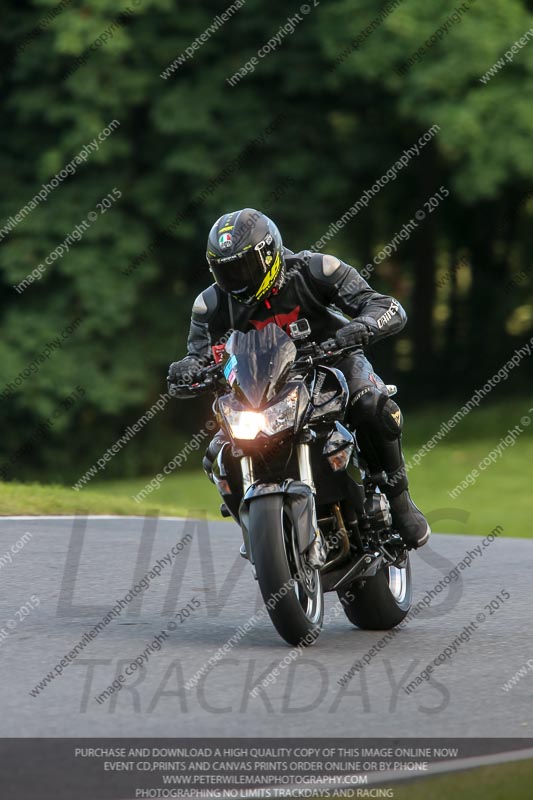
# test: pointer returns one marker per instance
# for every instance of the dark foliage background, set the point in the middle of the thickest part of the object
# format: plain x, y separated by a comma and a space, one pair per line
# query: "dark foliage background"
464, 276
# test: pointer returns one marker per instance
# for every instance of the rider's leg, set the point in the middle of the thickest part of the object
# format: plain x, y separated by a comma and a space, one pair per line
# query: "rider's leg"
378, 422
231, 466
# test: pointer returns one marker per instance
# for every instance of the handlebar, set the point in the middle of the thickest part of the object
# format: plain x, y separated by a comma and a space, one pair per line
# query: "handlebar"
322, 353
313, 354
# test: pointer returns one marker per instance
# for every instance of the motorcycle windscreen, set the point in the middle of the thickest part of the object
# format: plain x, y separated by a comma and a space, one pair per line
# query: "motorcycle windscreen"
256, 363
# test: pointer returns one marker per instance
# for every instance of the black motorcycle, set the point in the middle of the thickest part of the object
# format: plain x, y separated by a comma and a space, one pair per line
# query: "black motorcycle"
308, 525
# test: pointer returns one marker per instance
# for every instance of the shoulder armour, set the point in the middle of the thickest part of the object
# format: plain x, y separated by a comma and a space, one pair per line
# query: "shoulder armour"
206, 302
330, 264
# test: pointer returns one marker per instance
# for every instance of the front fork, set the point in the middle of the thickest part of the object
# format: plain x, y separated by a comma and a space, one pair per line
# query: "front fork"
316, 553
304, 466
247, 470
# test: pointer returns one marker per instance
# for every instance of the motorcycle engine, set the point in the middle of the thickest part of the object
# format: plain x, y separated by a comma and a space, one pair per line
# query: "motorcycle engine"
378, 511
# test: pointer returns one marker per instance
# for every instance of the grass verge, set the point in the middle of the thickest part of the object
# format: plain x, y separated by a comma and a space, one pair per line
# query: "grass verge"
501, 495
504, 782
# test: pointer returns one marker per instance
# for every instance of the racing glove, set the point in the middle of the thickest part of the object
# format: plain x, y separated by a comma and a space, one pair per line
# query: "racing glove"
354, 333
184, 372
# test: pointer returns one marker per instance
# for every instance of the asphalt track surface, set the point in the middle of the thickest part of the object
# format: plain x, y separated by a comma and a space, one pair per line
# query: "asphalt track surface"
77, 570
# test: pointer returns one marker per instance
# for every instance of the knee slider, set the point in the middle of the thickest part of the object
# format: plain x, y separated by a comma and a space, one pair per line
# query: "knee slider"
371, 407
390, 418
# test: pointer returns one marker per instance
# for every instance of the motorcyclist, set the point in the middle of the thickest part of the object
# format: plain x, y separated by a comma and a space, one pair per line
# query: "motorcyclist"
259, 281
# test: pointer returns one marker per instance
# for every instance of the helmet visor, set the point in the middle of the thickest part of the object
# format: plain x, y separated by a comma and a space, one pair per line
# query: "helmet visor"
241, 276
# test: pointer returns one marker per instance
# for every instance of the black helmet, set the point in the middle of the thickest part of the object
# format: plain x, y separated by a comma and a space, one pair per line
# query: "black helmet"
245, 255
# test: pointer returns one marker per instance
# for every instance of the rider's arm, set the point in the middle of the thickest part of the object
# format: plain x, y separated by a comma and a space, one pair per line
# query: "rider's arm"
205, 306
338, 284
198, 342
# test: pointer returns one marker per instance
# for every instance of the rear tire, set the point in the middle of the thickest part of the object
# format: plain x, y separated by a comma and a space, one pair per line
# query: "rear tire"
298, 613
382, 602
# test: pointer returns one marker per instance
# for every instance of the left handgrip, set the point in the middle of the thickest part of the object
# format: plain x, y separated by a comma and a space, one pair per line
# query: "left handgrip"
204, 382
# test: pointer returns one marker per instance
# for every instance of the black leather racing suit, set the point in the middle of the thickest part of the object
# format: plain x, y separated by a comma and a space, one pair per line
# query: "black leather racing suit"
318, 288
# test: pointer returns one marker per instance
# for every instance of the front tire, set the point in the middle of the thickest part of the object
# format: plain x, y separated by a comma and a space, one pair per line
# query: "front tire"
382, 602
296, 607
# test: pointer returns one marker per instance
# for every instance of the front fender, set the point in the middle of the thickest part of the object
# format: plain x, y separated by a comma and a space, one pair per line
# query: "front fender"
295, 498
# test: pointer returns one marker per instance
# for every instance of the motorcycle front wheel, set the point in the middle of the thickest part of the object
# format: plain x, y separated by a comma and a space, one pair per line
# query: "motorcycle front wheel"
291, 590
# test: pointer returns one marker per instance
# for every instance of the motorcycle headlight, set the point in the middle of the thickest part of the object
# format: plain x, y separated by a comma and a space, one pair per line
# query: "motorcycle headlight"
246, 425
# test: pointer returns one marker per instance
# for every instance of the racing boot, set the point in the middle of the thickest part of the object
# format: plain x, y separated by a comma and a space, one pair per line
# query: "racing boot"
409, 520
378, 421
406, 517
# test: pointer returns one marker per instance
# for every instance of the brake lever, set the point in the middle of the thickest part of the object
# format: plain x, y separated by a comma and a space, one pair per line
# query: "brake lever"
331, 348
314, 353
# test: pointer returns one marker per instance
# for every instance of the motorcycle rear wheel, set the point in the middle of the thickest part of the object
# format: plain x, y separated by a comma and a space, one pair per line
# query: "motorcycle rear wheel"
381, 602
